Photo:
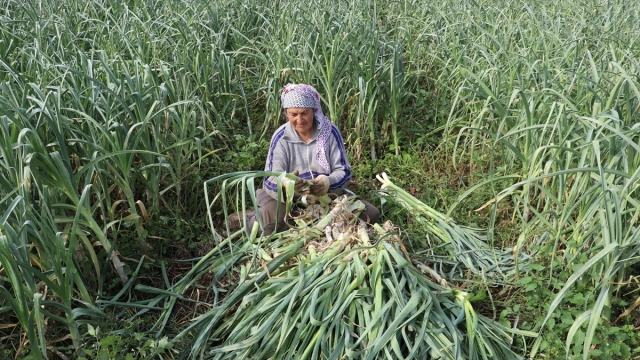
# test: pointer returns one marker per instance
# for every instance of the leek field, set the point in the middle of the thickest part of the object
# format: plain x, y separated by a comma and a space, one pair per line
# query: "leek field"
499, 138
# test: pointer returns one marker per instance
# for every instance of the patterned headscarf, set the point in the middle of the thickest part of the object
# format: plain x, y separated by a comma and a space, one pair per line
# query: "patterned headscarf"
306, 96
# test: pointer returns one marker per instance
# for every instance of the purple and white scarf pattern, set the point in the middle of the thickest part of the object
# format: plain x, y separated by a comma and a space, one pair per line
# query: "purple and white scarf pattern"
306, 96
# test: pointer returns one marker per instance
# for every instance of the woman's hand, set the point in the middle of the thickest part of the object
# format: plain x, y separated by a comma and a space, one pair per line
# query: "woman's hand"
320, 186
301, 186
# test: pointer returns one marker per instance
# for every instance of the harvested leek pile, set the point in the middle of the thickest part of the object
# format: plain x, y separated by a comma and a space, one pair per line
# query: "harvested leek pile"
467, 246
331, 287
335, 288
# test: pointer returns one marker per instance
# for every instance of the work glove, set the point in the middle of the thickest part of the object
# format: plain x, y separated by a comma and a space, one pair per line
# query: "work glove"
301, 184
320, 186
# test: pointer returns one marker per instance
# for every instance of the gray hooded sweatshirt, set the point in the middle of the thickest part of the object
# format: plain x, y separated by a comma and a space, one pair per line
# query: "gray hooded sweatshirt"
288, 153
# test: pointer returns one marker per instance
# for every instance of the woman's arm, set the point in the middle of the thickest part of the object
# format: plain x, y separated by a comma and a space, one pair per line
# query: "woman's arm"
340, 175
277, 160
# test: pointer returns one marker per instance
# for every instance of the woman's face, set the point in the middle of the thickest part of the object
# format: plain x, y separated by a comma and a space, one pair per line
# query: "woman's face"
301, 119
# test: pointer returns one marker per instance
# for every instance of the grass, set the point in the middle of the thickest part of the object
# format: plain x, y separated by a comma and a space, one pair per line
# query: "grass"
113, 114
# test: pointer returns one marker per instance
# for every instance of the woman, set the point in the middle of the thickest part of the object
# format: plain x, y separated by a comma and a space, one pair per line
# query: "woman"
309, 146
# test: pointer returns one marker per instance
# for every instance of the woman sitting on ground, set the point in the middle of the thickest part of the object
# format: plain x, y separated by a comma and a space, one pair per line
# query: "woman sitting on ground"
311, 147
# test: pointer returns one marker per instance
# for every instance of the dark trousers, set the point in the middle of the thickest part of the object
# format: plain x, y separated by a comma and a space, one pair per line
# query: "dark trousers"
274, 221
